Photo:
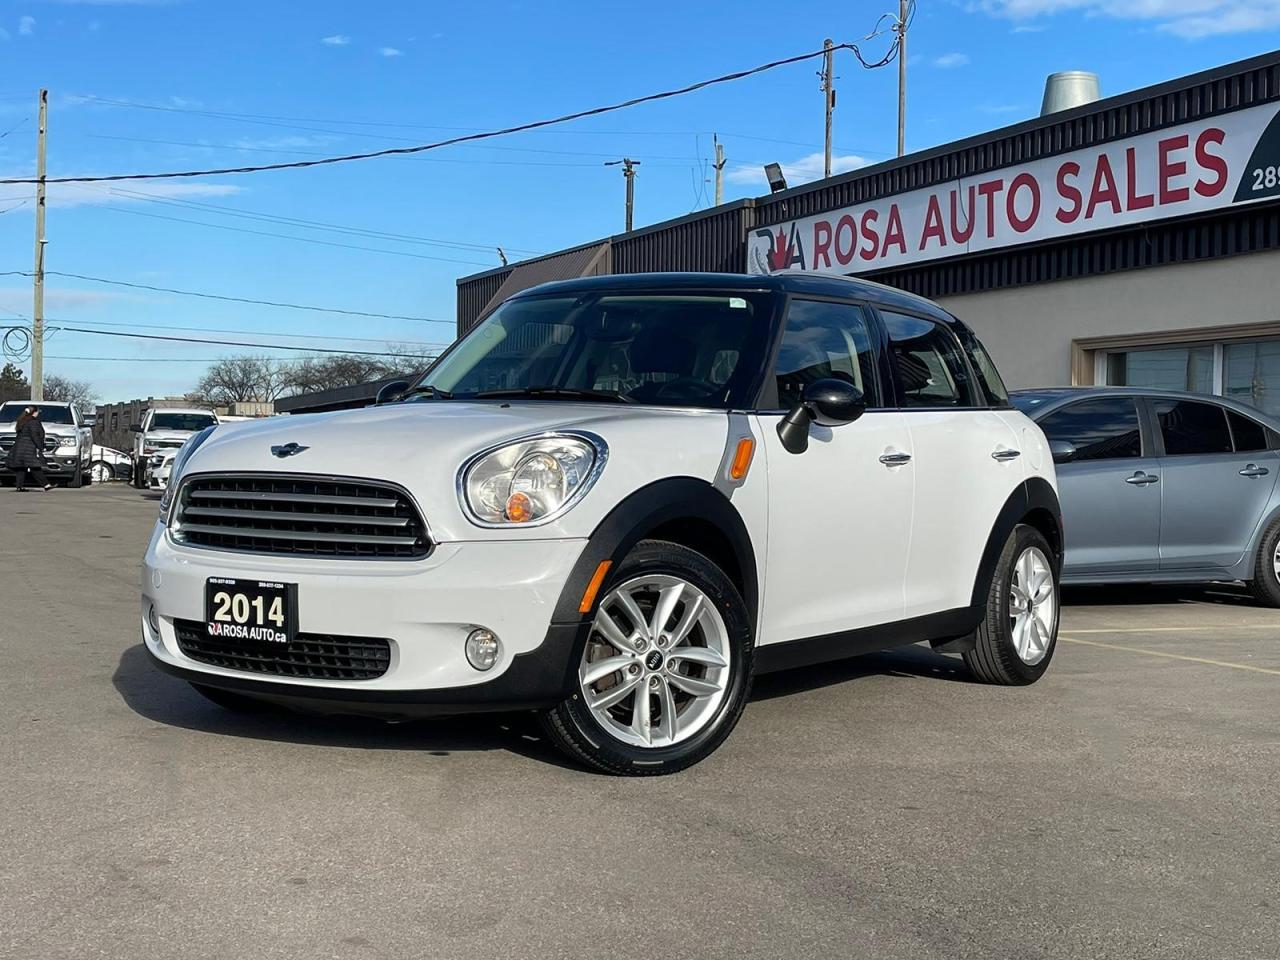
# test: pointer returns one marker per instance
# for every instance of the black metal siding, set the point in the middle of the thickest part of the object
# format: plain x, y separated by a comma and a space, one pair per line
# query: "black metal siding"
713, 241
474, 292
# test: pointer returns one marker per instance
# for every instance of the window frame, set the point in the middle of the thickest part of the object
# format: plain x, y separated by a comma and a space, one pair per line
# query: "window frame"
975, 400
766, 401
1207, 400
1146, 438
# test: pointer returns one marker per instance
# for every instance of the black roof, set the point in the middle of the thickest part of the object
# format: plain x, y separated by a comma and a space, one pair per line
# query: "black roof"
785, 281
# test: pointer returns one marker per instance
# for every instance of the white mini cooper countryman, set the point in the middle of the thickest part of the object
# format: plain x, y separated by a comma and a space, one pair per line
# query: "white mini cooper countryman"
613, 502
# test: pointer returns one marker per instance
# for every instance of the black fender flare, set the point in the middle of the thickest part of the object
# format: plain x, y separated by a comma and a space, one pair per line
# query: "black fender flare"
1033, 494
644, 511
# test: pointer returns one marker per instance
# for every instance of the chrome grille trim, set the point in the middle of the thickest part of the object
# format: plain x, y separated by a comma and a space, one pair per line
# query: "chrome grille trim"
298, 515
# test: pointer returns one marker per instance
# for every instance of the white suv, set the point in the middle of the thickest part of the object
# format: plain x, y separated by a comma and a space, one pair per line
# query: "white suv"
68, 441
613, 502
164, 429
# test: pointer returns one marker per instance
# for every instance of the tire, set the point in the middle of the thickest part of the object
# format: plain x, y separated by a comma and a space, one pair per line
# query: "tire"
234, 702
997, 657
709, 666
76, 479
1265, 585
101, 472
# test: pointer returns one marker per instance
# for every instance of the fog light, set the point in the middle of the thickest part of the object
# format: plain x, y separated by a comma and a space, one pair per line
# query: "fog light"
483, 649
153, 619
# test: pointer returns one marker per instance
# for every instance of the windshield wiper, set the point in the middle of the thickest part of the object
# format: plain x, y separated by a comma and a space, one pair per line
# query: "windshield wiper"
567, 393
426, 389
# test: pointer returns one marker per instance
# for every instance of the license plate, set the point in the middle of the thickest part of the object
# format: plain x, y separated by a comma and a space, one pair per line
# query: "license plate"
254, 612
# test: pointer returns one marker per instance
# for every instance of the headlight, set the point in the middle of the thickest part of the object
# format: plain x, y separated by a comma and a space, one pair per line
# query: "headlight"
68, 442
180, 461
531, 481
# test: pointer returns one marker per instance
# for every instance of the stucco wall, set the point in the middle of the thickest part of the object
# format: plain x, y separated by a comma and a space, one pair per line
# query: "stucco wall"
1028, 330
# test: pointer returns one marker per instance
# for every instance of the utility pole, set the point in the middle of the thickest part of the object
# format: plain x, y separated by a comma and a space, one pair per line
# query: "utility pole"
629, 174
37, 311
829, 97
719, 165
902, 76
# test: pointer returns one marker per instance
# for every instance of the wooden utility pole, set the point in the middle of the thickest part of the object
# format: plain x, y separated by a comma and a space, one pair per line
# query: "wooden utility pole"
37, 310
719, 165
902, 77
829, 97
628, 174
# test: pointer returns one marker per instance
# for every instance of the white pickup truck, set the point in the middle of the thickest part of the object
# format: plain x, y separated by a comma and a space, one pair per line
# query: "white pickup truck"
68, 441
164, 429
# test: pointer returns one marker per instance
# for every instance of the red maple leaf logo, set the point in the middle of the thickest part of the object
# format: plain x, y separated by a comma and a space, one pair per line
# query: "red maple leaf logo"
780, 256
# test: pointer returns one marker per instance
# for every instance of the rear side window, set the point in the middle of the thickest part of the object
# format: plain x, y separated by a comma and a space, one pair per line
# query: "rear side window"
1247, 435
822, 341
989, 380
1192, 428
1102, 429
930, 365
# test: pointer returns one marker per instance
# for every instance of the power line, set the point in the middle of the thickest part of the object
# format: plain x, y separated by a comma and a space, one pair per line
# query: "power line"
223, 343
473, 137
178, 359
300, 336
225, 297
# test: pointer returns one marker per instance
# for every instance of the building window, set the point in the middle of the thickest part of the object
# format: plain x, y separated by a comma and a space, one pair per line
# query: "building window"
1243, 370
115, 420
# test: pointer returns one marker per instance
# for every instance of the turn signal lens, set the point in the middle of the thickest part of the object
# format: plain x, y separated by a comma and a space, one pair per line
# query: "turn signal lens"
742, 458
519, 508
589, 595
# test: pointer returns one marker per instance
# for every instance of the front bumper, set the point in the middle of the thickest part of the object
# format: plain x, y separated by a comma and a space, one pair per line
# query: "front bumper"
425, 608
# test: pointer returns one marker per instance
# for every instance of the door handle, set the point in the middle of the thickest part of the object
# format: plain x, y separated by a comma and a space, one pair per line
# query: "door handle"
895, 459
1005, 455
1253, 470
1141, 479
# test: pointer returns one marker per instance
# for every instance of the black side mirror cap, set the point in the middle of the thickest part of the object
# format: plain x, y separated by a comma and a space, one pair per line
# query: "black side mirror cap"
135, 427
1063, 451
390, 391
828, 403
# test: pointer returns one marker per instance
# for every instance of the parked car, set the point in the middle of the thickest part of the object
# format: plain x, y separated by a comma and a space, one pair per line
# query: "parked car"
159, 467
67, 441
108, 464
1163, 486
164, 429
613, 502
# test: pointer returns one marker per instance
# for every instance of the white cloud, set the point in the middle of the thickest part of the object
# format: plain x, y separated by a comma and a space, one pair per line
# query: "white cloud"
390, 52
26, 26
797, 171
1028, 28
101, 194
337, 40
949, 61
1184, 18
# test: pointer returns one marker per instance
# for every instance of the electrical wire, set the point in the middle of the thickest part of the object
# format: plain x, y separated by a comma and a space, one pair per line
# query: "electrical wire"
190, 359
224, 343
225, 297
387, 341
484, 135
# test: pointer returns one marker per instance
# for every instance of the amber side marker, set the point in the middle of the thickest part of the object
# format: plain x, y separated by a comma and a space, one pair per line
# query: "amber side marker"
597, 578
742, 458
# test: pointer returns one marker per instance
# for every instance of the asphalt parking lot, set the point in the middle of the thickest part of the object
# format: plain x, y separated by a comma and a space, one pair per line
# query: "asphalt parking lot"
884, 807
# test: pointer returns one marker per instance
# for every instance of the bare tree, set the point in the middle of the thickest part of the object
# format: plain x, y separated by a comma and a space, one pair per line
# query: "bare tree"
78, 392
234, 379
345, 370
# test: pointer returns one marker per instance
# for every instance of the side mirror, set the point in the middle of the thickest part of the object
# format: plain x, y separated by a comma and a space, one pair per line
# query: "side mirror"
390, 391
828, 403
135, 428
1063, 451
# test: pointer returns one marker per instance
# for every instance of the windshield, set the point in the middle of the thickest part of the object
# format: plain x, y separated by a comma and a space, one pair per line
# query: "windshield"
49, 412
692, 350
182, 421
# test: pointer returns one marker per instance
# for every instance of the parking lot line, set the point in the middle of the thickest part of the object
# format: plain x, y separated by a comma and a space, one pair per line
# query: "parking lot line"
1170, 656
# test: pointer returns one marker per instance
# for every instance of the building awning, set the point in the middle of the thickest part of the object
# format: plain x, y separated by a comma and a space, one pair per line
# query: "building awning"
591, 260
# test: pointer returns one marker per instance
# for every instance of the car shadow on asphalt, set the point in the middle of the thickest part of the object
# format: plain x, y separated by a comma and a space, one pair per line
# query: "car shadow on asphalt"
164, 699
1223, 594
914, 661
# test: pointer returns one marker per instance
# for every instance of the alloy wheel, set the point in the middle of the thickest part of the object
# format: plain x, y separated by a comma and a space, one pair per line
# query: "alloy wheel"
1033, 605
101, 472
656, 666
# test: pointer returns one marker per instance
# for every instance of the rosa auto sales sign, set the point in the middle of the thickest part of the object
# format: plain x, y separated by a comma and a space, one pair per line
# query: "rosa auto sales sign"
1188, 169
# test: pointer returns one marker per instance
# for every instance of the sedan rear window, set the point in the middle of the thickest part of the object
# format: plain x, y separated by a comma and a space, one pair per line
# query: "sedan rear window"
1192, 428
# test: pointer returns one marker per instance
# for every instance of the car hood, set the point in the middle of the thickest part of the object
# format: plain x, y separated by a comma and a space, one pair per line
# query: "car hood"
421, 445
179, 436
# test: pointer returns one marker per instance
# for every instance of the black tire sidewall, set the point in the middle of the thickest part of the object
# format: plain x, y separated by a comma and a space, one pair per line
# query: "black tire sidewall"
1266, 585
654, 557
1022, 538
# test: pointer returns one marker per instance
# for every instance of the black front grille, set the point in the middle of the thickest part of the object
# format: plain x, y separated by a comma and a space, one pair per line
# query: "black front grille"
300, 516
7, 443
317, 656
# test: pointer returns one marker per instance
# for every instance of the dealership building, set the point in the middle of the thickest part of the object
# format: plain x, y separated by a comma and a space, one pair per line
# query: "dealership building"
1132, 240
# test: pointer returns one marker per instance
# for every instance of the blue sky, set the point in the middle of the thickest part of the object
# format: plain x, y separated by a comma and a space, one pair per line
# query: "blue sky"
328, 77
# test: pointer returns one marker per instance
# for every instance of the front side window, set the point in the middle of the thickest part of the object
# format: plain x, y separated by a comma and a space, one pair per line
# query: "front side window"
824, 341
1102, 429
1192, 428
930, 365
671, 349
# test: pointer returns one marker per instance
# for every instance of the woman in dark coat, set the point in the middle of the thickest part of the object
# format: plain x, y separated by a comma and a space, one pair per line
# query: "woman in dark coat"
27, 457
